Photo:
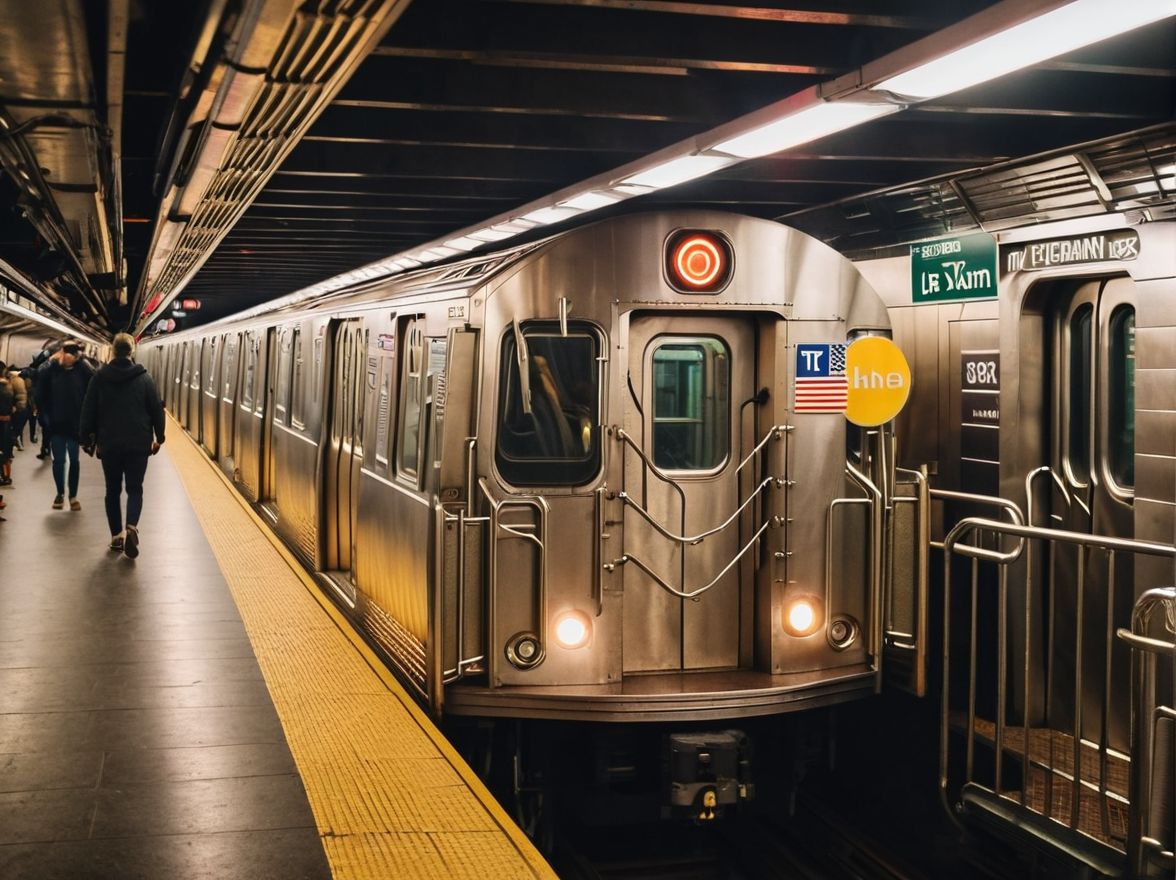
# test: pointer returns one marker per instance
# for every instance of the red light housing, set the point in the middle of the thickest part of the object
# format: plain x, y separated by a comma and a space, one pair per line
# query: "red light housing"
698, 261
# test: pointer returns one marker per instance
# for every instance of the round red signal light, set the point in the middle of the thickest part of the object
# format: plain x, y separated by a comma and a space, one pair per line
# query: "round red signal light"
698, 262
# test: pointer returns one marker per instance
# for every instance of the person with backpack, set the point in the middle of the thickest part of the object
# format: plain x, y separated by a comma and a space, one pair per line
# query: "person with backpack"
7, 408
122, 420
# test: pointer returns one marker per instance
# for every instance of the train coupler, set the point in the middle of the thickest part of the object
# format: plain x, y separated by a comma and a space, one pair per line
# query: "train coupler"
708, 774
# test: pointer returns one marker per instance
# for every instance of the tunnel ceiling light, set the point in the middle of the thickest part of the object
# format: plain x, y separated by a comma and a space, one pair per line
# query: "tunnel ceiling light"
552, 214
677, 171
1053, 33
589, 201
464, 243
801, 127
491, 234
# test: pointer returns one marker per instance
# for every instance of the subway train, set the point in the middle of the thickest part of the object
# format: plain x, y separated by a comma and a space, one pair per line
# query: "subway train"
602, 477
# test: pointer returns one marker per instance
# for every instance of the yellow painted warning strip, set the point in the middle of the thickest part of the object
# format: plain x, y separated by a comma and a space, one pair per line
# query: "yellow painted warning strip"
391, 797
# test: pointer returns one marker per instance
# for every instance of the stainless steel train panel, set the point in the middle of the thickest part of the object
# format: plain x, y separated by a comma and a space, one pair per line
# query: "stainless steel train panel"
690, 377
343, 443
228, 390
210, 358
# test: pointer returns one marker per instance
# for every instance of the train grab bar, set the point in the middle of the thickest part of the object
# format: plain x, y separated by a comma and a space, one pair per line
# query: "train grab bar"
691, 594
696, 539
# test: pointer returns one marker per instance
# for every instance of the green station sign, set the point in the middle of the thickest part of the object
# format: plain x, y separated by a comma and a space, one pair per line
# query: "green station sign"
962, 267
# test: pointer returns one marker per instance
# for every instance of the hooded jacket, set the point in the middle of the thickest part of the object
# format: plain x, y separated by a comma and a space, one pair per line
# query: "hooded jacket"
122, 409
60, 393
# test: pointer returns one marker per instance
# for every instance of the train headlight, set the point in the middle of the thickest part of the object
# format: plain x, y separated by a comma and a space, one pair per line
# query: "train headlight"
572, 630
802, 616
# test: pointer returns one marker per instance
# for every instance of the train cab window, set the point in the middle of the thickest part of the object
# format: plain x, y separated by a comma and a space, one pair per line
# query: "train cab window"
1121, 382
548, 427
1078, 451
691, 390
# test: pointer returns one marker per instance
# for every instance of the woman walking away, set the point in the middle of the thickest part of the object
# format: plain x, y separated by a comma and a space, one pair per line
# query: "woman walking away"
120, 414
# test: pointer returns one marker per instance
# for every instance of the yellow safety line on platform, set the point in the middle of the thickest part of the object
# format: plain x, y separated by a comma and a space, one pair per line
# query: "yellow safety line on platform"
391, 796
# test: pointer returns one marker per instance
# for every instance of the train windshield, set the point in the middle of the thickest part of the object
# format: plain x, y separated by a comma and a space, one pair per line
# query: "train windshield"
690, 410
555, 440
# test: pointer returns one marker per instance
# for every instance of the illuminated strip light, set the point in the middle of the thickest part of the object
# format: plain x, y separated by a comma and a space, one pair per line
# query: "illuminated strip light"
22, 312
1030, 42
803, 126
678, 170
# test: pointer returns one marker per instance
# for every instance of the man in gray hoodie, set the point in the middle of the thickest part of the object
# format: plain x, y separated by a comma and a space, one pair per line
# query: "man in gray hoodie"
120, 415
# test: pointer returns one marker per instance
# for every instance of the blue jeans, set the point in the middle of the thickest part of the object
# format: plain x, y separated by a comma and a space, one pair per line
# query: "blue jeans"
117, 465
63, 444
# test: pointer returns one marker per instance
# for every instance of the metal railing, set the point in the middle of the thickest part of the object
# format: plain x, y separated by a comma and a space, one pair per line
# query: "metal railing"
1150, 848
1039, 760
775, 432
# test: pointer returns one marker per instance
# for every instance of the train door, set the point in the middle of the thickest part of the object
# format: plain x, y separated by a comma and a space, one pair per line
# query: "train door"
1092, 455
342, 449
267, 404
209, 396
183, 377
687, 378
226, 407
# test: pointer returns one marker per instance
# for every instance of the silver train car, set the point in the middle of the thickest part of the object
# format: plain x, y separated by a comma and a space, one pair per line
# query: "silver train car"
1045, 412
570, 481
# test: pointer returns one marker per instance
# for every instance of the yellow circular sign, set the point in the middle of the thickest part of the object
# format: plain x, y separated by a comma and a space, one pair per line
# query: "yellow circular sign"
879, 381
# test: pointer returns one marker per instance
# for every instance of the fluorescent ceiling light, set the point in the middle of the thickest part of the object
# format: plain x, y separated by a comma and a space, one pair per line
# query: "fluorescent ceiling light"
465, 243
491, 234
677, 171
550, 215
801, 127
1057, 32
408, 262
589, 201
629, 189
437, 252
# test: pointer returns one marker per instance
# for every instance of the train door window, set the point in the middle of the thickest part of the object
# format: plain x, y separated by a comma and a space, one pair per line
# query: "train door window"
691, 412
411, 392
317, 373
1078, 417
384, 367
1121, 380
285, 367
552, 438
297, 382
250, 343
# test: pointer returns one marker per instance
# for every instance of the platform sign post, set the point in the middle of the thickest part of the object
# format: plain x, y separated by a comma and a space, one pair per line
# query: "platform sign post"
879, 381
962, 267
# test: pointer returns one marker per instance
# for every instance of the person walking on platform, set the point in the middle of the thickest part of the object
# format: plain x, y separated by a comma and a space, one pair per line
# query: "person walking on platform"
21, 413
122, 419
7, 409
60, 392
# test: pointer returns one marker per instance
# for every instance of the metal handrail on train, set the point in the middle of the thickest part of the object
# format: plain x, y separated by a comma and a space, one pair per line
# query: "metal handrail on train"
1145, 851
953, 544
775, 432
541, 508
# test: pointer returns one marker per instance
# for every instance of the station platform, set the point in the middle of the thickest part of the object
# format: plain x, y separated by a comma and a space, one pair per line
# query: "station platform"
203, 712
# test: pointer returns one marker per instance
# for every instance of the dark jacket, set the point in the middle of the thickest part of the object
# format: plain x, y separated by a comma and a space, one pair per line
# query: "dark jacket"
122, 409
60, 393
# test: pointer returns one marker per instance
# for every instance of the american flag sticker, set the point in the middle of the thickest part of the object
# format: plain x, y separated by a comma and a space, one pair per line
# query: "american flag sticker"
821, 386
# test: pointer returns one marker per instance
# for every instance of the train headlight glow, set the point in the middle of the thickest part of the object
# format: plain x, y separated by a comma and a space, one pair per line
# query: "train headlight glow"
698, 261
572, 630
802, 616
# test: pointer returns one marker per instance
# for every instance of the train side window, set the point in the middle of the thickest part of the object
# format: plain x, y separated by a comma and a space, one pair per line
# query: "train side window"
556, 439
691, 392
298, 383
250, 371
1078, 451
1121, 378
411, 392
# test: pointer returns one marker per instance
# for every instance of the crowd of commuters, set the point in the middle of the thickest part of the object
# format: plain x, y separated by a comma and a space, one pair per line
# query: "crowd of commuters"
111, 411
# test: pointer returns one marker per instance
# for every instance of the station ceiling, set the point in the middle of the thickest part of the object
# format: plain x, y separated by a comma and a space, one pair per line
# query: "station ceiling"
233, 151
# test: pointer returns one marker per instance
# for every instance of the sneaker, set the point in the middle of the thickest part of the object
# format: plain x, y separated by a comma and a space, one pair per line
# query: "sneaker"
43, 456
131, 544
116, 543
58, 502
74, 504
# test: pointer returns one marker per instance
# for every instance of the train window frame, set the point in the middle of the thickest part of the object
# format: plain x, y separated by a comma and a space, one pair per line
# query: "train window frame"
298, 383
541, 470
251, 363
285, 370
658, 343
1079, 364
413, 364
1121, 374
